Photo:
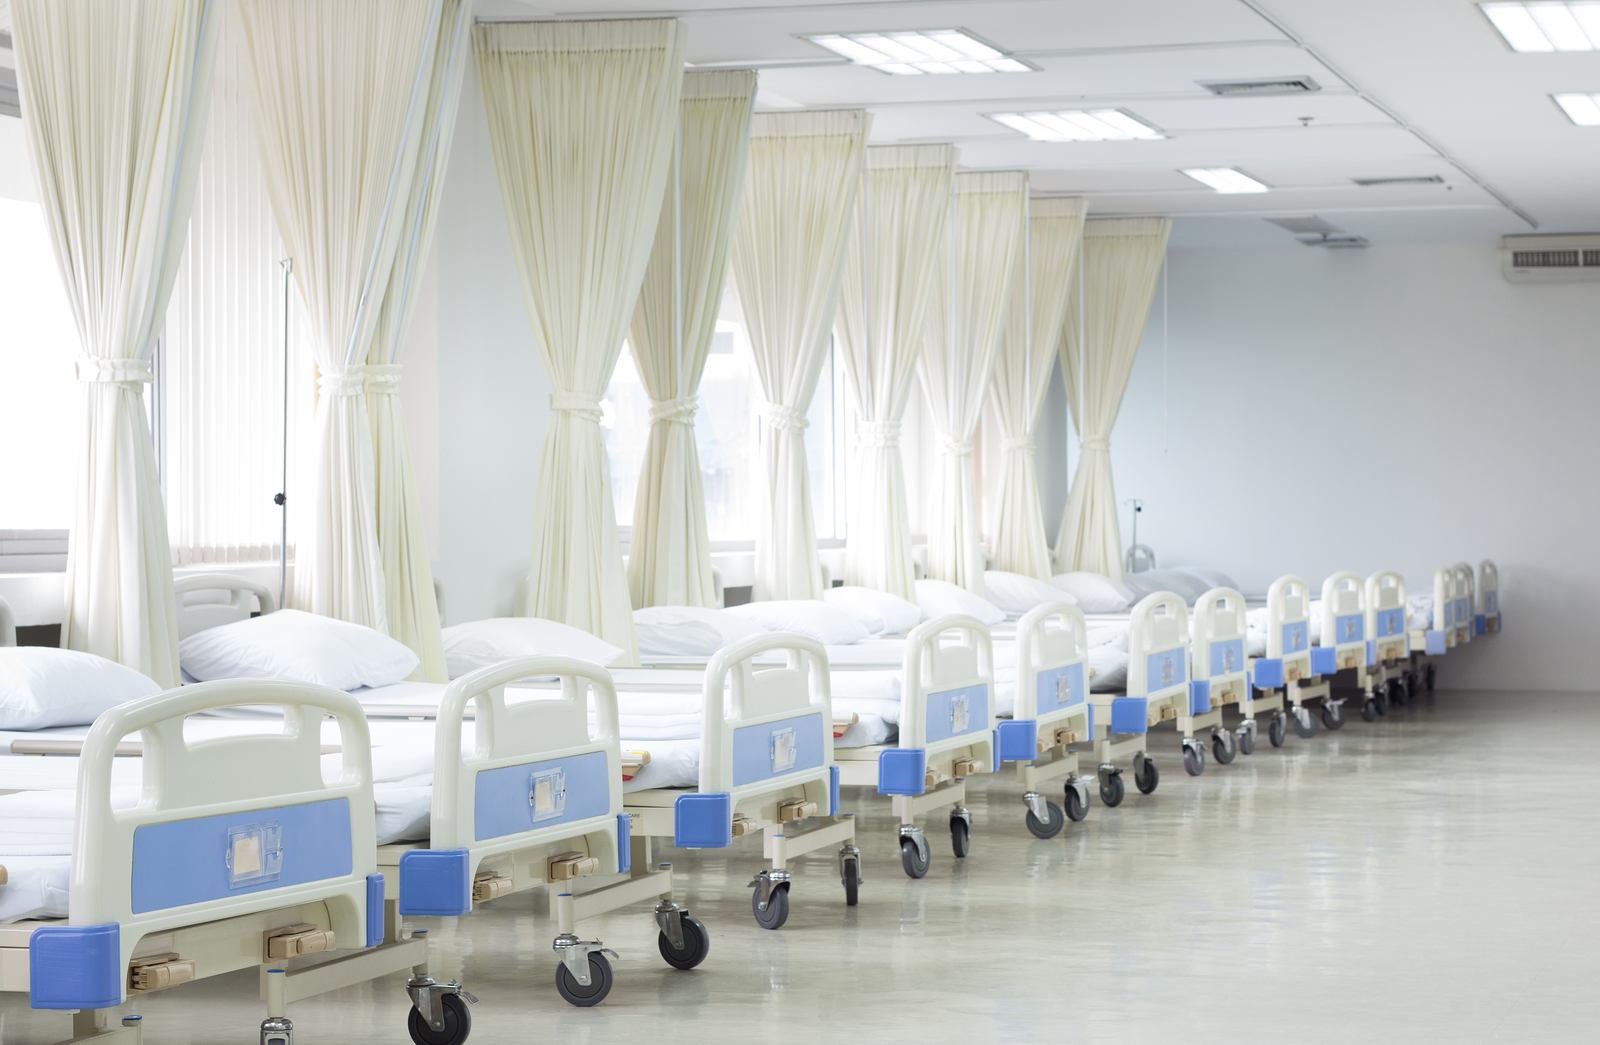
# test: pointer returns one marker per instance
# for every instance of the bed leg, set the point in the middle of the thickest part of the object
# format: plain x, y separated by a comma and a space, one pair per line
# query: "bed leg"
276, 1029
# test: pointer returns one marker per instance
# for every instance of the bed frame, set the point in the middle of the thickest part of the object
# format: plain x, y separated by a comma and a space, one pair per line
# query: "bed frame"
240, 854
766, 764
538, 802
1288, 659
1222, 677
1051, 714
1157, 690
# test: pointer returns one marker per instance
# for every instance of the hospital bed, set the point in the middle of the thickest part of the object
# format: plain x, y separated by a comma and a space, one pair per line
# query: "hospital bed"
1284, 662
226, 853
1156, 690
947, 724
535, 800
1051, 714
1341, 642
1488, 597
765, 765
1388, 674
1221, 678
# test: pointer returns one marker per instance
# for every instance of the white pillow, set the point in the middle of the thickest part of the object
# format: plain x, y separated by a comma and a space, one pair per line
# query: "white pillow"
1184, 585
891, 613
688, 631
1095, 593
938, 598
1210, 578
300, 646
480, 643
41, 686
1018, 593
812, 618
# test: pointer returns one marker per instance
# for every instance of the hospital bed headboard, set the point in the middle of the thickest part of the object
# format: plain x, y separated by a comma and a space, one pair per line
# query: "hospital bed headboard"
8, 625
198, 614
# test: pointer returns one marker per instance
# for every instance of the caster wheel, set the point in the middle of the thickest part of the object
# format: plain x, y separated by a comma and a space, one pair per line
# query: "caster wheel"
1381, 696
457, 1021
1146, 781
1397, 692
1111, 790
911, 858
852, 880
1369, 710
1247, 743
1194, 760
1428, 679
696, 945
1333, 717
1305, 723
1276, 731
1046, 828
1411, 683
599, 982
960, 837
1223, 747
1077, 808
777, 911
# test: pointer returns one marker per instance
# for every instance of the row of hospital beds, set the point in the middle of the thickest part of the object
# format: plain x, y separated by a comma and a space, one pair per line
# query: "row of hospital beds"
295, 828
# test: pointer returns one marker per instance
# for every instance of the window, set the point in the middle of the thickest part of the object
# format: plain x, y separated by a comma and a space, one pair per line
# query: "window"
40, 405
727, 436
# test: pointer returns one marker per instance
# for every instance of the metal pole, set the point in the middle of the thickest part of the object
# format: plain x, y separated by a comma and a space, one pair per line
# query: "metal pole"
282, 499
1027, 315
677, 246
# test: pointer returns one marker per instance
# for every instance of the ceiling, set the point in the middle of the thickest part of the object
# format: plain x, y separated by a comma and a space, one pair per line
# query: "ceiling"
1409, 88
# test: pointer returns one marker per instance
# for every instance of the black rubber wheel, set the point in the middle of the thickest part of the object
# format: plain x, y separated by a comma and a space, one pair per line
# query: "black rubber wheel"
1247, 742
1224, 747
1333, 716
1369, 710
1276, 730
960, 837
1381, 695
1397, 692
696, 945
1147, 780
457, 1023
599, 982
1194, 760
852, 880
1428, 678
911, 858
1111, 791
1305, 723
1047, 828
1412, 683
777, 911
1077, 808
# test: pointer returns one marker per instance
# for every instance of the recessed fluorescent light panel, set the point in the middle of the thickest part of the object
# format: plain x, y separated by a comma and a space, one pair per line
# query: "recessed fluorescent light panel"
1541, 26
1079, 125
1224, 179
1581, 109
921, 52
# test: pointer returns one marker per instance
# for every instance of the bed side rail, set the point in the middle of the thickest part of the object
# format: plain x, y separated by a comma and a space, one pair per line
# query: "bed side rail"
198, 616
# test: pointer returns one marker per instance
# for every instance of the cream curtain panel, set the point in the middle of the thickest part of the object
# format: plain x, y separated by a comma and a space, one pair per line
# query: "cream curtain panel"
971, 297
896, 231
114, 96
581, 120
341, 87
670, 560
1022, 376
1122, 259
788, 260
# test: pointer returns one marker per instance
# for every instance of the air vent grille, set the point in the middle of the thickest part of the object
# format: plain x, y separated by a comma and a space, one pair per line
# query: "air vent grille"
1277, 85
1431, 179
1548, 259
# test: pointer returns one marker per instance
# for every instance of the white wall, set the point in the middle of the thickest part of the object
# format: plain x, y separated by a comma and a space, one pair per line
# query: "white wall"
1396, 407
493, 396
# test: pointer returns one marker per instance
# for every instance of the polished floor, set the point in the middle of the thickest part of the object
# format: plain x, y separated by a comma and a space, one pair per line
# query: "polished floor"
1431, 877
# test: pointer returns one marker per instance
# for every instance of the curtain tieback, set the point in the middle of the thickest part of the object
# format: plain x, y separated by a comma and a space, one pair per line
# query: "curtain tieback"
1024, 443
578, 404
959, 447
878, 433
677, 411
342, 380
1095, 442
383, 378
785, 418
122, 371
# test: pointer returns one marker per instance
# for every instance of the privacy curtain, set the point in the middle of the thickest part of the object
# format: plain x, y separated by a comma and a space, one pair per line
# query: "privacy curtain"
788, 260
1122, 259
114, 96
581, 118
897, 229
670, 560
971, 295
1022, 376
341, 89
